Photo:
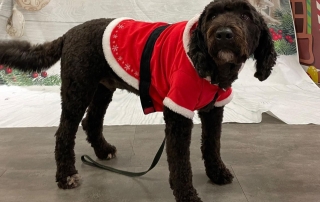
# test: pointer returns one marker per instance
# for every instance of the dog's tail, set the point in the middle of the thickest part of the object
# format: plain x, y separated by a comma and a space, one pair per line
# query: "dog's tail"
26, 57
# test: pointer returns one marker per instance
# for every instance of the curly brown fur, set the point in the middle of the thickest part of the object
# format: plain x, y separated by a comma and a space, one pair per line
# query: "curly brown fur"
92, 124
24, 56
228, 32
178, 138
210, 146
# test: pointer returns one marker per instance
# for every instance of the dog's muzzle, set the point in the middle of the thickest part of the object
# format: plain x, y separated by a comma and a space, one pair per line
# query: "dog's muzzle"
225, 38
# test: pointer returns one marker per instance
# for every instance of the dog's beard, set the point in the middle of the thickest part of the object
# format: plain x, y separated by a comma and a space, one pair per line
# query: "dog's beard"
226, 56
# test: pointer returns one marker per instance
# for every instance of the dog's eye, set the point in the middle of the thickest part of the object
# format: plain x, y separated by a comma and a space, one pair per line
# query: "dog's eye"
245, 17
213, 17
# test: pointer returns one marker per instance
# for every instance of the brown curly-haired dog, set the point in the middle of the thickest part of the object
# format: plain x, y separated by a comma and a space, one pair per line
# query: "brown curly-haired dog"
226, 34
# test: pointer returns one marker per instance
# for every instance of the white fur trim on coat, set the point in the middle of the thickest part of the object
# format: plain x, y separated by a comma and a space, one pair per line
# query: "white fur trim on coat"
177, 108
187, 35
110, 57
225, 101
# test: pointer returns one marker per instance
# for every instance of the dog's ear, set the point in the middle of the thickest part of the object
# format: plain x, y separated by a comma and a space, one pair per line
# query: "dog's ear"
198, 51
265, 53
198, 31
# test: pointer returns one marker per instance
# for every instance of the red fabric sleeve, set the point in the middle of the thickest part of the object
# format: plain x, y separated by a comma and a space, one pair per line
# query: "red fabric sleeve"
183, 95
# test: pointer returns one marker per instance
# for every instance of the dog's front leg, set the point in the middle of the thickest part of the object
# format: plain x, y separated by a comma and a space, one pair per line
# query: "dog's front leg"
210, 147
178, 137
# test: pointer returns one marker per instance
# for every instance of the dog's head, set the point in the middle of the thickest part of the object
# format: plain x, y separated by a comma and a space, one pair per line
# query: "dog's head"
228, 32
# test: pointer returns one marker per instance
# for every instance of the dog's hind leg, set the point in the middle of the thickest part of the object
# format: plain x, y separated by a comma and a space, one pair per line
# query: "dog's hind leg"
93, 123
76, 97
210, 147
178, 138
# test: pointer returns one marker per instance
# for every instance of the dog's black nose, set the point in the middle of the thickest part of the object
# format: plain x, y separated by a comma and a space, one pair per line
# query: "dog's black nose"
224, 34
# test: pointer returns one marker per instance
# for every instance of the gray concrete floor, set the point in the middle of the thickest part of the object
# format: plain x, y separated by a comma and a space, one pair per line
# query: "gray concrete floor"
271, 161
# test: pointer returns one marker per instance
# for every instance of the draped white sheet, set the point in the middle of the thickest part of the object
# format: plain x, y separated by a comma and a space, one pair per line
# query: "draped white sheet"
288, 94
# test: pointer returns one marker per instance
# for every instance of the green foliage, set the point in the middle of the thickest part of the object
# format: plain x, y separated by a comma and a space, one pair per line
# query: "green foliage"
283, 47
285, 17
18, 78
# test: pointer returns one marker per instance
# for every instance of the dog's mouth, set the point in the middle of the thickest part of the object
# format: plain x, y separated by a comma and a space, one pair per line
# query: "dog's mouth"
229, 56
208, 78
226, 56
224, 53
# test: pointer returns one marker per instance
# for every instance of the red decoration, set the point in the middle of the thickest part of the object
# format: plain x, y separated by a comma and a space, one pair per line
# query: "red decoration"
8, 70
276, 34
34, 75
289, 38
276, 37
44, 74
1, 67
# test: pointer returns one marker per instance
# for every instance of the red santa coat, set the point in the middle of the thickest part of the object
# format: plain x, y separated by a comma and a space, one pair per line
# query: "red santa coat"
174, 80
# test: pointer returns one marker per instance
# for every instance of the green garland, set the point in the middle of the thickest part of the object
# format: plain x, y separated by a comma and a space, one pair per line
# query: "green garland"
283, 47
18, 78
284, 33
285, 17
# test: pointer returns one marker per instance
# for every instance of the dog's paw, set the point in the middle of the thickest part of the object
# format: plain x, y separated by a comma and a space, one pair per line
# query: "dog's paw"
111, 156
187, 196
107, 152
74, 180
220, 176
70, 182
190, 199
